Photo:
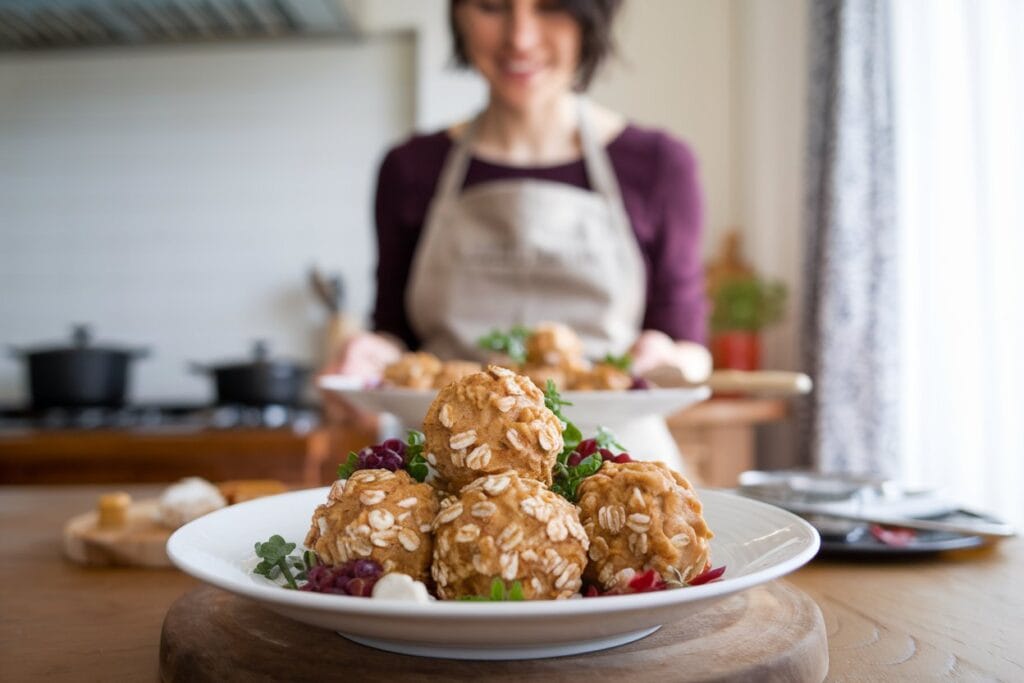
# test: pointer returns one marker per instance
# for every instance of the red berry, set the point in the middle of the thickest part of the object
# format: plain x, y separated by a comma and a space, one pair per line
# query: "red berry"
639, 383
394, 445
621, 458
707, 576
587, 447
575, 458
891, 535
647, 581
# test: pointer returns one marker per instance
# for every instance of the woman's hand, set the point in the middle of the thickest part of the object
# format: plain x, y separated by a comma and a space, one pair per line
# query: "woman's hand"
363, 356
654, 349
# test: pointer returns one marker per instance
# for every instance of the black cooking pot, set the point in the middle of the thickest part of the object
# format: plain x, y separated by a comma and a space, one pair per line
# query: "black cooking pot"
79, 376
259, 382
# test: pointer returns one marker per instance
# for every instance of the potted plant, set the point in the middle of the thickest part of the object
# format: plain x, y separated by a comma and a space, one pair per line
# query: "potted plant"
741, 307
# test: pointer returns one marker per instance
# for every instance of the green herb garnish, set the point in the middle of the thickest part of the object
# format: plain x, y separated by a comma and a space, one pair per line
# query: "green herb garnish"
276, 561
567, 480
571, 435
623, 362
498, 593
415, 463
511, 343
605, 439
346, 468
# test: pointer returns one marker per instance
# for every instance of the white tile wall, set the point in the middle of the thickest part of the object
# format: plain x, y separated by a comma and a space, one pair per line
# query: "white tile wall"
176, 197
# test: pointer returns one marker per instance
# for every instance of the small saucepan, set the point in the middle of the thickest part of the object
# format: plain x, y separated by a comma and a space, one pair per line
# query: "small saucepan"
80, 375
260, 381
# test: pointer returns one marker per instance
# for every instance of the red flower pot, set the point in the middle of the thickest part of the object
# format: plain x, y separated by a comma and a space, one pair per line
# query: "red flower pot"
736, 350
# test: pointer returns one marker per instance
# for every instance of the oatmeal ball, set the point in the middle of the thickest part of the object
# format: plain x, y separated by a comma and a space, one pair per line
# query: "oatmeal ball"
642, 515
602, 376
540, 374
487, 423
453, 371
380, 515
553, 344
507, 526
413, 371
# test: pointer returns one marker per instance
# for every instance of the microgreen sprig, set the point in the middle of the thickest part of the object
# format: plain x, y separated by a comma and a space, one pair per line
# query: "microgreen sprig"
276, 561
511, 343
566, 479
571, 435
415, 463
498, 593
605, 439
350, 465
623, 362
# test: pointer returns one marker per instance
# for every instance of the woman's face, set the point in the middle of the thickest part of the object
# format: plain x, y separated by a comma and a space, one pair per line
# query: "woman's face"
528, 50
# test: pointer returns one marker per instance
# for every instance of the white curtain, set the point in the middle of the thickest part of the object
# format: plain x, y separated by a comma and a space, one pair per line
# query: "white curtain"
851, 278
958, 92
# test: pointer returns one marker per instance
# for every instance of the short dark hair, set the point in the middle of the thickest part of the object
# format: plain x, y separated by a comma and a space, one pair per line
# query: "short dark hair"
595, 18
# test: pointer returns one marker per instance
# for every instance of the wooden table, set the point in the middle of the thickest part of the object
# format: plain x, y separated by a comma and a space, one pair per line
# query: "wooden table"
955, 616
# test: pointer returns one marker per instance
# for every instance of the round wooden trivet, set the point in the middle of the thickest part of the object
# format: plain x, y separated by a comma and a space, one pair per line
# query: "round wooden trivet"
773, 632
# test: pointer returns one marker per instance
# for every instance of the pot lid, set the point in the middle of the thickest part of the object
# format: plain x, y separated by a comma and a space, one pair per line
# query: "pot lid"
260, 356
81, 340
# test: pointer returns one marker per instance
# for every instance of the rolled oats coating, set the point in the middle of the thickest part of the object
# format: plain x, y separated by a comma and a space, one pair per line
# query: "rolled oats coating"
638, 516
490, 422
601, 377
554, 344
453, 371
413, 371
513, 528
540, 374
379, 515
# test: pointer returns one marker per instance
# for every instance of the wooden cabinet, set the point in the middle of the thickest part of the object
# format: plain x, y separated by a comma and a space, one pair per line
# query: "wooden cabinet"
717, 438
162, 455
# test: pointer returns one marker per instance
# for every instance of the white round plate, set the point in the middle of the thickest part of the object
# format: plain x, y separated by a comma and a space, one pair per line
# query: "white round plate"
600, 408
756, 542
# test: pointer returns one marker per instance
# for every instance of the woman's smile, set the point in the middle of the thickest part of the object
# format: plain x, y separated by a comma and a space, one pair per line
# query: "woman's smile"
527, 50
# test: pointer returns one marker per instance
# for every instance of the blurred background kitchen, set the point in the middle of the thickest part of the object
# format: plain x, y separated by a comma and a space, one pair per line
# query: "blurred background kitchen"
173, 169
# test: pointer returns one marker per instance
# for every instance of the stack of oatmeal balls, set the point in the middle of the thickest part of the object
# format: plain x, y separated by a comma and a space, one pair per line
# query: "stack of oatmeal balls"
488, 511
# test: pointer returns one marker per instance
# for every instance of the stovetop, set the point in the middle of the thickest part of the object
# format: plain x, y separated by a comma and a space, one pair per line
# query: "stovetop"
163, 416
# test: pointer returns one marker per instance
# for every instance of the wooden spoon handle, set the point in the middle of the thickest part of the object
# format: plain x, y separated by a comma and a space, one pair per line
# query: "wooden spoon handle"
764, 382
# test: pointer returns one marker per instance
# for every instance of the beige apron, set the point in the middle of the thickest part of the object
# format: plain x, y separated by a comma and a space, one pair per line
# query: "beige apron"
526, 251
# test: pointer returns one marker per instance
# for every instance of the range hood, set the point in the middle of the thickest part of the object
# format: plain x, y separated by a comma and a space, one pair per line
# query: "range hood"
47, 24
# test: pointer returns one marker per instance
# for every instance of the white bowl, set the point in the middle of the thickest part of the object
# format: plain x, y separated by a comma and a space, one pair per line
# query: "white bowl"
589, 409
756, 542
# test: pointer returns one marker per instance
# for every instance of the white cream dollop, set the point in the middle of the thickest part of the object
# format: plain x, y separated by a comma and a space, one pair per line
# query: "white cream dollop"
188, 499
400, 587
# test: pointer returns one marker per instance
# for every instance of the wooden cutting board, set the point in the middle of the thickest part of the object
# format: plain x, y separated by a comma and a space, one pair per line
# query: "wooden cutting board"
140, 542
773, 632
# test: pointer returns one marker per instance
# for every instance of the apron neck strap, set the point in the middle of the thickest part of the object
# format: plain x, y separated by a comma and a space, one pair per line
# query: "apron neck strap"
455, 166
595, 158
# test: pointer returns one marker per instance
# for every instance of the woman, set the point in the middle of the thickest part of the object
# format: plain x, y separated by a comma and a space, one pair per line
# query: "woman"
543, 207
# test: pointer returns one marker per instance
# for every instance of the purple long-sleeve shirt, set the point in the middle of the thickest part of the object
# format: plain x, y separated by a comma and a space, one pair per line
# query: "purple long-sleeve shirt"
657, 177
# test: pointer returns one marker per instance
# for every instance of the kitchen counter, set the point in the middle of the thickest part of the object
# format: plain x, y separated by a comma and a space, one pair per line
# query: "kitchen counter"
952, 616
716, 437
35, 456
